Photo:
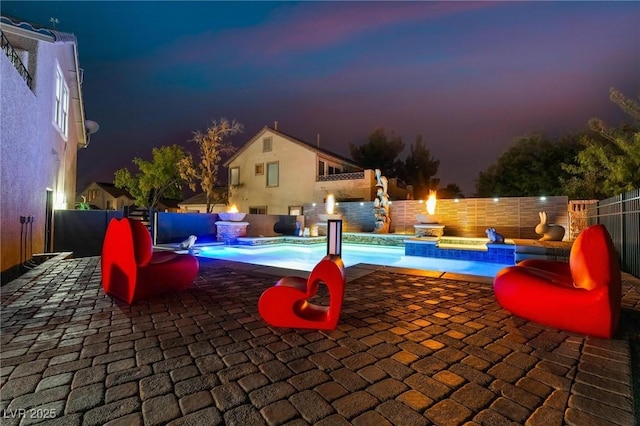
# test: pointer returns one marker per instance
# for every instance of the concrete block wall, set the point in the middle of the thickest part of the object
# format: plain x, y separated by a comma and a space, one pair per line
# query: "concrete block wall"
513, 217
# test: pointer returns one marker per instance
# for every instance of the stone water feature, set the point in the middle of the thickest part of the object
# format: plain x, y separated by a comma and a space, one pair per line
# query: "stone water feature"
231, 226
428, 225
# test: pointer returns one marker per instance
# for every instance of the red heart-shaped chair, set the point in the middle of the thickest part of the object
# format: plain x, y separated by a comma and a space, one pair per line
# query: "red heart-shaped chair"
132, 271
287, 303
583, 296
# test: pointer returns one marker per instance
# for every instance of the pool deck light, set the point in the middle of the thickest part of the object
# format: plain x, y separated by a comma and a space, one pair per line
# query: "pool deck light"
334, 237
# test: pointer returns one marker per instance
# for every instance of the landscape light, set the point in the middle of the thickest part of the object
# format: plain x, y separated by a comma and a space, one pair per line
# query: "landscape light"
334, 237
543, 198
495, 200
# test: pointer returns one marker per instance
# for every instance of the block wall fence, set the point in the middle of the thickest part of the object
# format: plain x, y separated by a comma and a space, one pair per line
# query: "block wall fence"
513, 217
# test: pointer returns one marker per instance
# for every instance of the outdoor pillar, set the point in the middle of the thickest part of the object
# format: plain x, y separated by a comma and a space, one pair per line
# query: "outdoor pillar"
334, 237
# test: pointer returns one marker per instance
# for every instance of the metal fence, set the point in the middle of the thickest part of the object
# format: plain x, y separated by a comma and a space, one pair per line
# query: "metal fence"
621, 216
15, 59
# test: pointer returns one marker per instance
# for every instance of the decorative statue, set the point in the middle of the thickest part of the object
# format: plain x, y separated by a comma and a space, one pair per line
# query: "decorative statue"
494, 237
188, 243
549, 232
381, 204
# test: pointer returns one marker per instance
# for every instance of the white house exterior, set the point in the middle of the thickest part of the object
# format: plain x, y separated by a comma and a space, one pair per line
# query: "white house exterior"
42, 127
275, 173
198, 203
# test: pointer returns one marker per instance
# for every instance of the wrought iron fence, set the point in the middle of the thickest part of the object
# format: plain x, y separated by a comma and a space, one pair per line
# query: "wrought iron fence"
341, 176
15, 59
621, 216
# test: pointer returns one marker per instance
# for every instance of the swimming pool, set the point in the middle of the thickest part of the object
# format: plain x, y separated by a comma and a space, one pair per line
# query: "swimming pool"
305, 257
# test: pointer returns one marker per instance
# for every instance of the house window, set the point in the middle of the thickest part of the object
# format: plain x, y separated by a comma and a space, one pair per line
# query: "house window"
259, 169
61, 111
108, 204
234, 176
295, 210
321, 166
266, 144
272, 174
93, 194
258, 210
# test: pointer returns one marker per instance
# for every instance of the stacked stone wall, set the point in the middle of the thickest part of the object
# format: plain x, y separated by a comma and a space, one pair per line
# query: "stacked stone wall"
578, 216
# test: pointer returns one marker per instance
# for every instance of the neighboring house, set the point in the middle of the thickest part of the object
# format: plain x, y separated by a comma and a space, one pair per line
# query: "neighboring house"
168, 205
42, 126
275, 173
198, 203
105, 196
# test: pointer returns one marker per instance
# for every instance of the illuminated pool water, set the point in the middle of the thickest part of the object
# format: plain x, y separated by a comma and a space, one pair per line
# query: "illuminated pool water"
305, 257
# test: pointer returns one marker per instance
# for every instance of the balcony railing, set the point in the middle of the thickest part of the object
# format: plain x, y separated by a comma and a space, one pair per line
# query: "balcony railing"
15, 59
341, 176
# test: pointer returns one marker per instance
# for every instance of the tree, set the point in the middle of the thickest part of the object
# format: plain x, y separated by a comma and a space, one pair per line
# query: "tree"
378, 152
531, 167
212, 144
419, 169
609, 162
452, 190
159, 178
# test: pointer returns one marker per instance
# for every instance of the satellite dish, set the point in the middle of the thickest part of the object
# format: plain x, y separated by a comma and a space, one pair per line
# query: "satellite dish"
91, 126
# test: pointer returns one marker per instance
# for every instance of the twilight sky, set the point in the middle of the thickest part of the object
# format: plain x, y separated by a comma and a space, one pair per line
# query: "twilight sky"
469, 76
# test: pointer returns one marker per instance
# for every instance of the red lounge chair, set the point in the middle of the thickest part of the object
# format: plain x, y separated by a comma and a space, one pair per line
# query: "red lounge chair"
582, 296
132, 271
287, 303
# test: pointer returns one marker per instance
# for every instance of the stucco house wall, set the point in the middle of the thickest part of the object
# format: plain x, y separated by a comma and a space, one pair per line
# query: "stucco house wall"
360, 187
35, 157
297, 166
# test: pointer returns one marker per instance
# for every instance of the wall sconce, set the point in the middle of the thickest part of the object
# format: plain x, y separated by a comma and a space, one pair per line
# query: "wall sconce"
60, 201
334, 237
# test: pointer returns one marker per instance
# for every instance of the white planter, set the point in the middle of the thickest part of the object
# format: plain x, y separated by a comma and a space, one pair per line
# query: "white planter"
231, 217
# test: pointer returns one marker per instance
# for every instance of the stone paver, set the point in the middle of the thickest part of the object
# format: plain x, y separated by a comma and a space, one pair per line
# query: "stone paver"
409, 350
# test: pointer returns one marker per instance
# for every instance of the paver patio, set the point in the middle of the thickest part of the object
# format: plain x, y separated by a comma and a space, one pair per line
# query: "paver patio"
411, 349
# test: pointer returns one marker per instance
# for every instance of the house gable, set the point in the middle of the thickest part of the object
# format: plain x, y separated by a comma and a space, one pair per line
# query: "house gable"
320, 152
